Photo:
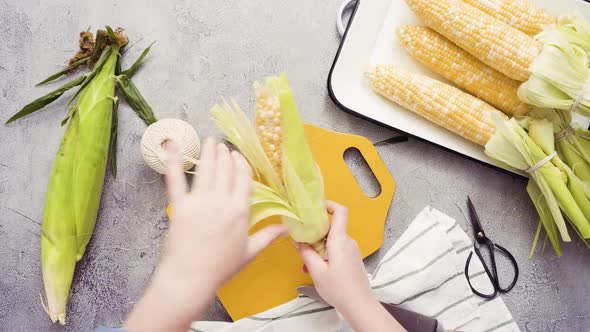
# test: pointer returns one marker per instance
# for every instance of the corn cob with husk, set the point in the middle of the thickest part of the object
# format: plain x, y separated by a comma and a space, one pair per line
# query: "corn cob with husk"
75, 186
288, 181
554, 64
79, 168
438, 102
519, 14
461, 68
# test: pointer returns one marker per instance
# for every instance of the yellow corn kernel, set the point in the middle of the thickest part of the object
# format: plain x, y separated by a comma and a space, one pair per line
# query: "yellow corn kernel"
268, 124
461, 68
519, 14
490, 40
438, 102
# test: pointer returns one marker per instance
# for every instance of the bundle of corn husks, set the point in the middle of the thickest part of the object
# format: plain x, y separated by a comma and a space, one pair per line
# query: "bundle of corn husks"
523, 61
557, 193
75, 186
288, 182
572, 142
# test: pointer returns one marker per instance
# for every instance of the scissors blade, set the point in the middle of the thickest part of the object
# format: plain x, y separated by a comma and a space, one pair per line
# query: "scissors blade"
475, 224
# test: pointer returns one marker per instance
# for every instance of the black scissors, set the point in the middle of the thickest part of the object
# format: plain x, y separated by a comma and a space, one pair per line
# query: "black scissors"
480, 240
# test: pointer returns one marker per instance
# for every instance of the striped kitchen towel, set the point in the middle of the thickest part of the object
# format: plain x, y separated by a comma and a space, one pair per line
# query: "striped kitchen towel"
422, 272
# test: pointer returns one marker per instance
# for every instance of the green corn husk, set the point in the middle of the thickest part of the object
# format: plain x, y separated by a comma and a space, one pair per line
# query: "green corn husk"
583, 138
512, 146
266, 203
75, 186
570, 145
59, 243
545, 219
297, 193
560, 71
541, 132
576, 155
574, 28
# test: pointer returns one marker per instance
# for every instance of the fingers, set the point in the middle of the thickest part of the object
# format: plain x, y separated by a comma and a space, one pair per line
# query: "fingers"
313, 262
304, 269
175, 180
339, 220
207, 166
242, 187
263, 238
224, 169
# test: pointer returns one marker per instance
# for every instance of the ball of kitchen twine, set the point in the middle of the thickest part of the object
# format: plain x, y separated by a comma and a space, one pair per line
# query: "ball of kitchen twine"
183, 134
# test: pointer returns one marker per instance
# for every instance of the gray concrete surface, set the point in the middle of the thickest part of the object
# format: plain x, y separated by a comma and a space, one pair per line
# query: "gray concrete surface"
204, 50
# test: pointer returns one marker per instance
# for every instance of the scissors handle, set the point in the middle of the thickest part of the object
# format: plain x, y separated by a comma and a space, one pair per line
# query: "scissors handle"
489, 274
493, 272
514, 264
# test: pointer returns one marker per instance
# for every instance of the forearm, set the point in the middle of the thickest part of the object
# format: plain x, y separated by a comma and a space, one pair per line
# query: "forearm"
164, 307
371, 316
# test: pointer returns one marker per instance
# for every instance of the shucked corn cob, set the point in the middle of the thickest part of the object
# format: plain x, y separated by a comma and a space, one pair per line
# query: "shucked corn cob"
460, 67
438, 102
519, 14
490, 40
268, 125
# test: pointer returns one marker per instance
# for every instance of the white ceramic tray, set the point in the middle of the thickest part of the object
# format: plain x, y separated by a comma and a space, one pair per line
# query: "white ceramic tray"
371, 38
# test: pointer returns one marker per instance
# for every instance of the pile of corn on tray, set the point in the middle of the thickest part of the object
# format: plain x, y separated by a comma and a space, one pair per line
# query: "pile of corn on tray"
372, 39
511, 77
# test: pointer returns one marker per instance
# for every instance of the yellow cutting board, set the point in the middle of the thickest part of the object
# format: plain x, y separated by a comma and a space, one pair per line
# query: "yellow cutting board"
271, 278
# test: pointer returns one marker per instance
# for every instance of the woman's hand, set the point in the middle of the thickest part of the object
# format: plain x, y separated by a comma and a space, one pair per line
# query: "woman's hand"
207, 240
209, 227
342, 280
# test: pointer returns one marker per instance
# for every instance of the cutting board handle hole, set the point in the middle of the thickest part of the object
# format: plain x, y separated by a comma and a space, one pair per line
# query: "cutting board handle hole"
362, 173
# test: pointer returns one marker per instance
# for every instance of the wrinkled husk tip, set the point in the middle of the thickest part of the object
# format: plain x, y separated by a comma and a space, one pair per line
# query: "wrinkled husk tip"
320, 248
61, 318
55, 317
